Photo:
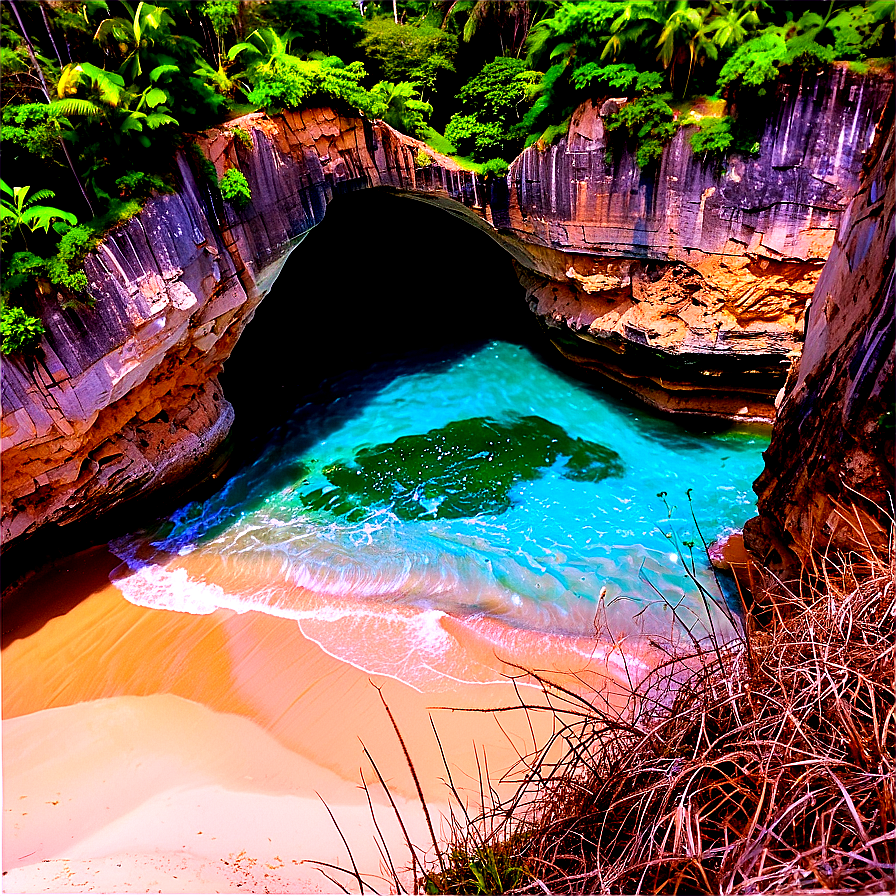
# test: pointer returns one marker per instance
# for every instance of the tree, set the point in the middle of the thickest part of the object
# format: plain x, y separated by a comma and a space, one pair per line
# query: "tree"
507, 23
416, 53
733, 24
685, 38
46, 92
492, 106
402, 108
121, 106
137, 36
331, 26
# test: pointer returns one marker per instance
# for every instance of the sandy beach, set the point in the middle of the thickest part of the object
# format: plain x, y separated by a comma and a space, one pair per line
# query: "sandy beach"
147, 750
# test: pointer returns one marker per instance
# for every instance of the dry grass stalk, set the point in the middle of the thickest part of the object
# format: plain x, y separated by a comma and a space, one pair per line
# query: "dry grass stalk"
773, 769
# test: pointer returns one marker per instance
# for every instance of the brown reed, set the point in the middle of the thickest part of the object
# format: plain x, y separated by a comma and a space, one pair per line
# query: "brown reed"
771, 770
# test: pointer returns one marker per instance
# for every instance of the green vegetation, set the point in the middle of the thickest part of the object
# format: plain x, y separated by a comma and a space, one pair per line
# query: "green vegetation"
235, 188
494, 168
492, 105
20, 210
399, 106
64, 268
418, 53
713, 136
19, 331
688, 50
97, 95
243, 137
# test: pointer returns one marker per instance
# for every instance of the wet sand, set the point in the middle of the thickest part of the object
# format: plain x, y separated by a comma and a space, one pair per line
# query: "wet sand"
152, 750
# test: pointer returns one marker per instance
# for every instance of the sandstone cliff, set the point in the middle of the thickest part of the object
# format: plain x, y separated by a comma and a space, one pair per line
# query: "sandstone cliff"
675, 281
687, 284
829, 474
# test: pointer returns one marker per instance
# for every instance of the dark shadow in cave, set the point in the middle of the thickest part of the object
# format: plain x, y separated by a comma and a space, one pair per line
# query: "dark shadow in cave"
385, 285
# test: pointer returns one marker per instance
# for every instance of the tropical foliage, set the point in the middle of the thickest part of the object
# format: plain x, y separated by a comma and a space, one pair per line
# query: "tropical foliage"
492, 105
235, 188
19, 331
415, 53
639, 48
98, 94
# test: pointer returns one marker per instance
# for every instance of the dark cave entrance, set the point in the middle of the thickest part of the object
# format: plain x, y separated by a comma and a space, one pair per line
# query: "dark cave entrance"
383, 279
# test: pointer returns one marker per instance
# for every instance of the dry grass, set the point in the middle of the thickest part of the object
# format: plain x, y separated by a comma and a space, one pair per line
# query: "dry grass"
764, 765
773, 770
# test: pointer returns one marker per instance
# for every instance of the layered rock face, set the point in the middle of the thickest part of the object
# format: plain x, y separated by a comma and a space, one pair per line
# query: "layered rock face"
686, 284
123, 396
676, 281
829, 474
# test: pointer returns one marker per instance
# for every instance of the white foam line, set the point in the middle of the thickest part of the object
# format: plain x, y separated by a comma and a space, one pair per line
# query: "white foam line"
162, 588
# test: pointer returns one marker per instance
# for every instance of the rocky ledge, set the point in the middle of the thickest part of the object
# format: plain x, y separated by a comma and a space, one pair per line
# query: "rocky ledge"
686, 284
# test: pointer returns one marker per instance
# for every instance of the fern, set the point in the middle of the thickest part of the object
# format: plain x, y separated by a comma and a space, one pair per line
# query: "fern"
75, 107
19, 331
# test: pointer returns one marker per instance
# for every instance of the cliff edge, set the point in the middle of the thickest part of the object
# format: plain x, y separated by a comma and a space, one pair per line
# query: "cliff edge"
828, 481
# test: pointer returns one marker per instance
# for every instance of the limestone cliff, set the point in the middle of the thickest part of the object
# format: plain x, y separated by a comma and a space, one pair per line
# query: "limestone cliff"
687, 284
677, 280
829, 475
123, 396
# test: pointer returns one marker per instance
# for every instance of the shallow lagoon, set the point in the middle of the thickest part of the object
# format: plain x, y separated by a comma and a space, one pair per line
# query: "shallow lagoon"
481, 484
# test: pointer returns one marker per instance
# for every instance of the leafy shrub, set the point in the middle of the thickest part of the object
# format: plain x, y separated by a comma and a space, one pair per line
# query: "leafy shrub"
221, 13
423, 159
292, 82
65, 268
22, 267
399, 106
235, 188
494, 168
417, 53
713, 136
481, 140
243, 137
650, 121
36, 127
621, 76
492, 105
140, 184
19, 331
500, 91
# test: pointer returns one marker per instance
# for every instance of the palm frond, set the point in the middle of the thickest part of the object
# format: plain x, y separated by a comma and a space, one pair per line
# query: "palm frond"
41, 216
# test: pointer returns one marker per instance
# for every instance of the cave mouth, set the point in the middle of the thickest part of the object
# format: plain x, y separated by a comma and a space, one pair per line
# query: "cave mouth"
384, 283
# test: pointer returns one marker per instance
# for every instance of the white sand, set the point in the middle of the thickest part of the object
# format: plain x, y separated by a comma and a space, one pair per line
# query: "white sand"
147, 750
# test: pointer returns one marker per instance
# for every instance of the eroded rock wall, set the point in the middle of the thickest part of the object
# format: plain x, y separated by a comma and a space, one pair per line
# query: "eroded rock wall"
829, 473
122, 396
675, 280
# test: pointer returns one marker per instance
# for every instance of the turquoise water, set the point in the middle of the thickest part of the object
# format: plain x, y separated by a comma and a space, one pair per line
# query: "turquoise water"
487, 484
